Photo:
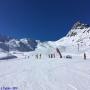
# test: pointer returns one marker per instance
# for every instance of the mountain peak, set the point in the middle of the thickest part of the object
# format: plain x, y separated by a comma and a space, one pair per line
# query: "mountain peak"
80, 25
77, 28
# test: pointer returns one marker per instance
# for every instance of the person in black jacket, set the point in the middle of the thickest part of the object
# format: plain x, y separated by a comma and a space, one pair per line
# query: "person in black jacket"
84, 56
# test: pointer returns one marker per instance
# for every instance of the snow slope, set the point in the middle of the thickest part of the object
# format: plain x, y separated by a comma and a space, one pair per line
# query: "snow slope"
45, 74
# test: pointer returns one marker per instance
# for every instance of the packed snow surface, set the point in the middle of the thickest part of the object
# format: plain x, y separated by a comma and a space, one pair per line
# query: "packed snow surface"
28, 73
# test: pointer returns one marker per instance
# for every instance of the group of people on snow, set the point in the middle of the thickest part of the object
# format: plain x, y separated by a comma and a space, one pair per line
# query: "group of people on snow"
38, 56
53, 55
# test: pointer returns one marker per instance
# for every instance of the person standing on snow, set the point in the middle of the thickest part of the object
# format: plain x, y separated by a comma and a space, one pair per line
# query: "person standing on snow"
84, 56
40, 56
36, 56
49, 55
53, 55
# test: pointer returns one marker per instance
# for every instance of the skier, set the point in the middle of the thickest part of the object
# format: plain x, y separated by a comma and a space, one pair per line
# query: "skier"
49, 55
54, 55
84, 56
40, 56
37, 56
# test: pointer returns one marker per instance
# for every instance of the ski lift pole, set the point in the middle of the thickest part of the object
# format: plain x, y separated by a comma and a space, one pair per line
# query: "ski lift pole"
8, 49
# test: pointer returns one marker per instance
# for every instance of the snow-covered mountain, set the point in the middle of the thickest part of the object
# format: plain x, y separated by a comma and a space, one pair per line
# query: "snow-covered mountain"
24, 44
11, 44
77, 39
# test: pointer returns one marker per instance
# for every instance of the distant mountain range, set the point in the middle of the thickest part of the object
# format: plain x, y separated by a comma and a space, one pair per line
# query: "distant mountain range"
78, 36
12, 44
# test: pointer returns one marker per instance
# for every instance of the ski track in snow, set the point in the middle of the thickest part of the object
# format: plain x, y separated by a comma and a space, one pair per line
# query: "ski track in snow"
72, 87
52, 74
